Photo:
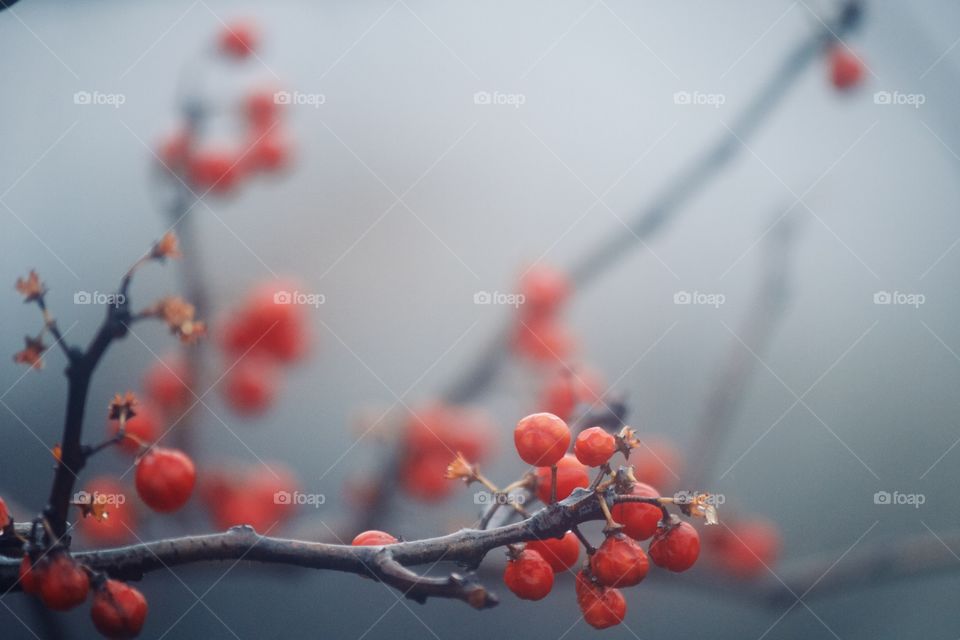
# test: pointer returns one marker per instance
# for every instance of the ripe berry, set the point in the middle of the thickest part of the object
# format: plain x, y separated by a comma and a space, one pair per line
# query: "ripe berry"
262, 110
268, 324
744, 549
373, 538
603, 608
165, 479
251, 386
30, 575
143, 427
543, 340
560, 553
238, 40
4, 515
544, 289
619, 562
657, 462
570, 475
449, 428
528, 576
120, 521
166, 383
63, 583
214, 170
268, 153
541, 439
256, 496
846, 70
422, 475
675, 546
566, 388
639, 520
594, 446
118, 610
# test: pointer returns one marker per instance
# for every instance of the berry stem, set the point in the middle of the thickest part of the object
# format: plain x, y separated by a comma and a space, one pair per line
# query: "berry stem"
553, 483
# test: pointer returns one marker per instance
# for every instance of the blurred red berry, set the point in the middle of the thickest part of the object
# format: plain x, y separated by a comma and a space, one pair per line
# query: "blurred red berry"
268, 153
541, 439
239, 39
214, 170
262, 109
269, 324
675, 546
544, 289
118, 610
250, 386
175, 151
373, 538
594, 446
619, 562
743, 549
260, 496
167, 384
63, 583
656, 462
528, 576
566, 388
570, 474
560, 553
143, 427
846, 70
120, 521
4, 515
422, 475
165, 479
543, 340
639, 520
30, 575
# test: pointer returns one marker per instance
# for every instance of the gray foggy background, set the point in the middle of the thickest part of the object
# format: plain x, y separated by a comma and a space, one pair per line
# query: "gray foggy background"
495, 187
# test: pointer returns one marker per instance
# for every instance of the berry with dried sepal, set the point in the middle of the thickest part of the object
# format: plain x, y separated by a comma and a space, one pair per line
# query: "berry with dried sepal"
118, 610
528, 575
594, 446
560, 553
639, 519
165, 479
675, 546
619, 562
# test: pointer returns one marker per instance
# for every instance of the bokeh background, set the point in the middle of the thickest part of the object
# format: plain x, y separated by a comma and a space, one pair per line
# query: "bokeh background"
483, 190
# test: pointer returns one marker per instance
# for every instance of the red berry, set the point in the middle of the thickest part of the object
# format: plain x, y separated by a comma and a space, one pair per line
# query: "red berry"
251, 386
529, 576
544, 289
541, 439
268, 153
167, 382
846, 70
567, 388
4, 515
619, 562
269, 324
744, 549
447, 429
543, 340
238, 40
594, 446
262, 110
111, 497
259, 496
165, 479
422, 476
175, 151
213, 170
143, 427
373, 538
118, 610
560, 553
63, 583
656, 462
639, 520
675, 546
603, 608
570, 475
30, 574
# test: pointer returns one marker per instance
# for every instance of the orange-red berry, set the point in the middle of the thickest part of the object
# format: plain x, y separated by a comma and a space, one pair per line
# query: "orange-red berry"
251, 386
143, 427
570, 474
541, 439
846, 70
675, 546
118, 610
373, 538
603, 608
167, 382
63, 583
165, 479
560, 553
30, 574
528, 576
656, 462
743, 549
239, 39
4, 515
566, 388
639, 520
619, 562
594, 446
544, 289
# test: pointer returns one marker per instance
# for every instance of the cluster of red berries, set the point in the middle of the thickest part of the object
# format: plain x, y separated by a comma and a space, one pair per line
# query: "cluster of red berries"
540, 334
118, 610
542, 440
264, 334
265, 149
431, 436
